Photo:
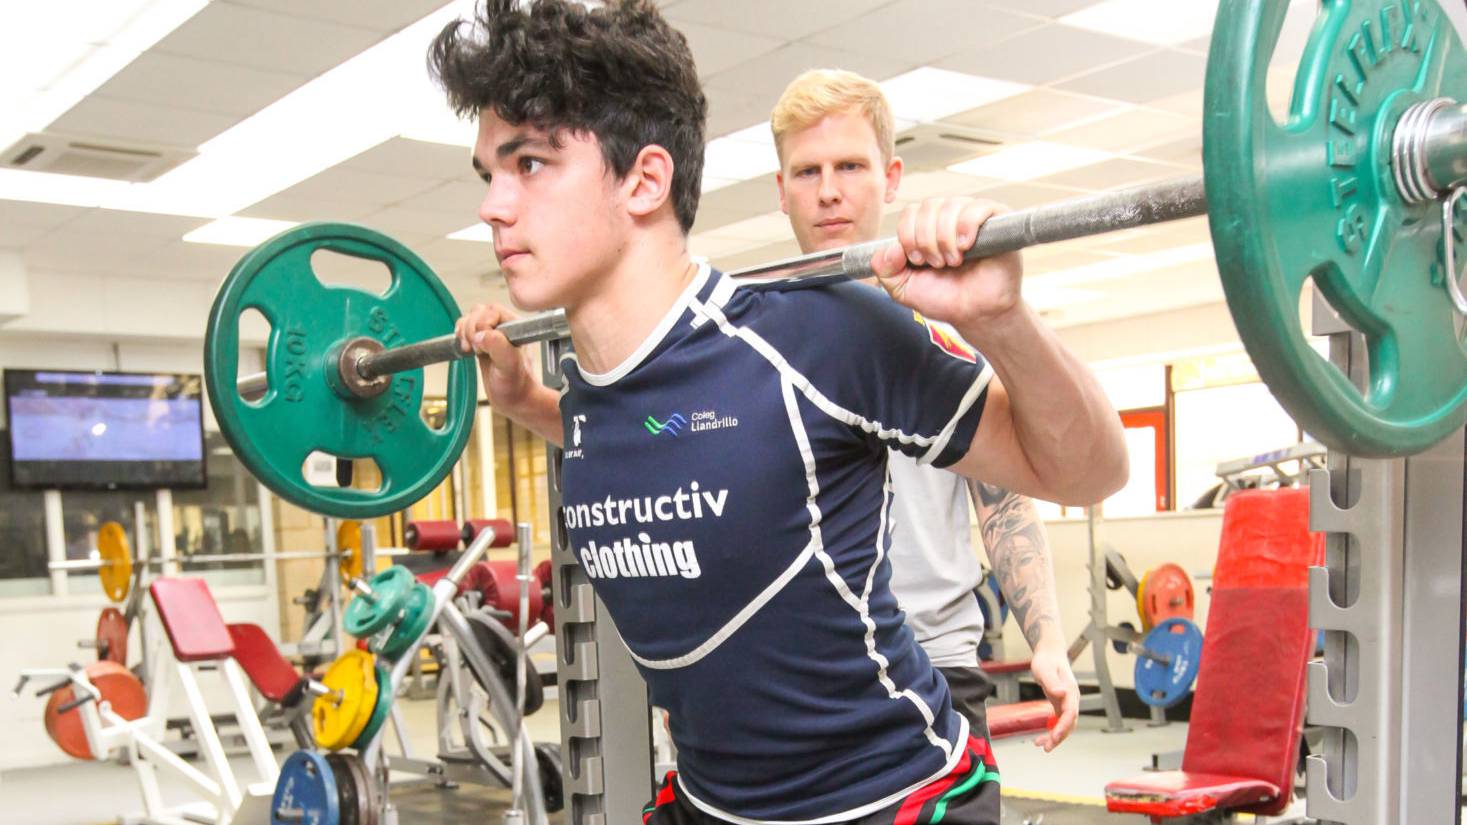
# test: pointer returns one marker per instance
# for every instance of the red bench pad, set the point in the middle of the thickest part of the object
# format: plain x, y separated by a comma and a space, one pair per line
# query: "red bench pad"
1180, 793
1016, 666
1020, 718
270, 673
191, 617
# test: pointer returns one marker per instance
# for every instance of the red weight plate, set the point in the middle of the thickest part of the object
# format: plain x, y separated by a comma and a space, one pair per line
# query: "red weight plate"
119, 688
112, 636
543, 571
1167, 594
507, 586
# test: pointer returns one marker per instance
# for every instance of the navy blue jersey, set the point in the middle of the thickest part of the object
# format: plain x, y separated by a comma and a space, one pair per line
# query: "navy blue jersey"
726, 492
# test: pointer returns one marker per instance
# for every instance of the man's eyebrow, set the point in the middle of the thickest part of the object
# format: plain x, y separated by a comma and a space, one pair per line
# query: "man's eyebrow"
517, 143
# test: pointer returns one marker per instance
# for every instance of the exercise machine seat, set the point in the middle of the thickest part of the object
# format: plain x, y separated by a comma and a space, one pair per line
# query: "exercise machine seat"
1180, 793
269, 671
1248, 708
191, 618
1019, 718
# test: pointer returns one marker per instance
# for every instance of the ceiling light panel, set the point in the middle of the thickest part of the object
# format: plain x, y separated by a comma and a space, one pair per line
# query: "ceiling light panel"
1162, 22
238, 231
929, 93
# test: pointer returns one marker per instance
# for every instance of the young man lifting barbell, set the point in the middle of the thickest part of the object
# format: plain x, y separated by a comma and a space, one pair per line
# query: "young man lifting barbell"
740, 544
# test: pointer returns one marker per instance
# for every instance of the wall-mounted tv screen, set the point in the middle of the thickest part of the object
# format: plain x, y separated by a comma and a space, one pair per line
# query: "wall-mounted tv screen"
104, 430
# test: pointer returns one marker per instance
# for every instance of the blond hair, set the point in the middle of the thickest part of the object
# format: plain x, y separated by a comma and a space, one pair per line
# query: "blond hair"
821, 92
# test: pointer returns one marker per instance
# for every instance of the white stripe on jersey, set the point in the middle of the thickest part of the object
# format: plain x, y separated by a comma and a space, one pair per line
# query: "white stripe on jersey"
860, 605
934, 444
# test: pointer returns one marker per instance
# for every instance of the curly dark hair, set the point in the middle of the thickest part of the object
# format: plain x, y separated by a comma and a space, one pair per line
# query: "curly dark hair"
620, 72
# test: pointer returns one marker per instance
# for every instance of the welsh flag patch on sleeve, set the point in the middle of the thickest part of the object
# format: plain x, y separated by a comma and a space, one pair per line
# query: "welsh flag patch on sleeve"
946, 339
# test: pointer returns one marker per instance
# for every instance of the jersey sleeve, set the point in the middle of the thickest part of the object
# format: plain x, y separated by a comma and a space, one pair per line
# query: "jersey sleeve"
903, 381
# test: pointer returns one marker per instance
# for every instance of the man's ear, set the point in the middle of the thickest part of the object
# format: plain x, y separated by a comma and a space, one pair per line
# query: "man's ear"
784, 205
893, 178
648, 184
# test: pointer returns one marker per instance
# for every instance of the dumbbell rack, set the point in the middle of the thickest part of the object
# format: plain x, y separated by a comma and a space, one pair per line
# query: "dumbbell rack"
1390, 599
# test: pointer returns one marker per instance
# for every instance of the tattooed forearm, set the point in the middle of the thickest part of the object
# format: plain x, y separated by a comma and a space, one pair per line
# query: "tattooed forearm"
1019, 554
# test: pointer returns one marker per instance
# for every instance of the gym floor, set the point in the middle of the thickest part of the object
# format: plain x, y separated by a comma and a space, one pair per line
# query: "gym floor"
1066, 787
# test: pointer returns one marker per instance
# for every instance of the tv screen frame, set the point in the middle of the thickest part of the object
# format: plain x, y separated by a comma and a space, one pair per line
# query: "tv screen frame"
92, 477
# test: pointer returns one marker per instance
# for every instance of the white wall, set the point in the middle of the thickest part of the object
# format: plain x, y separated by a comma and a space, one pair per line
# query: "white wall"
42, 631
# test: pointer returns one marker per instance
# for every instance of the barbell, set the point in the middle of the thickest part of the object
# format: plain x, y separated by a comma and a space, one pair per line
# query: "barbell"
1359, 190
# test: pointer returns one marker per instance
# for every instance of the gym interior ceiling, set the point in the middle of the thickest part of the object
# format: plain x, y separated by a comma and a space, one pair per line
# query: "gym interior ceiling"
288, 111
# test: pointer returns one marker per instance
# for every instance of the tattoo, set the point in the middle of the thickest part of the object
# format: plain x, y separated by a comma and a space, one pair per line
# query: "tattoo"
1019, 553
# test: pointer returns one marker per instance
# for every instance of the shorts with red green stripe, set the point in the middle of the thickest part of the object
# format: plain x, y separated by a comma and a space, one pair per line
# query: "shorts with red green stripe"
967, 795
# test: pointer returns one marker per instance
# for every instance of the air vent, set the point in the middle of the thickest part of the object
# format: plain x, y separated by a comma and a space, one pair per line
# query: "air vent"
40, 152
932, 146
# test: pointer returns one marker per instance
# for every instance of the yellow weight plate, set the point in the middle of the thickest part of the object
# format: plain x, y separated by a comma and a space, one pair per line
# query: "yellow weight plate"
116, 569
1141, 603
338, 722
349, 545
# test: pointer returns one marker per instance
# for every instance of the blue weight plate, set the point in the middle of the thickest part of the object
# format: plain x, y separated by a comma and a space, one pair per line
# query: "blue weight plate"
306, 792
1164, 684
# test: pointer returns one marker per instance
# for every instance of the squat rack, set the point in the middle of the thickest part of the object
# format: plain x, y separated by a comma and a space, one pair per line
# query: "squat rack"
1389, 598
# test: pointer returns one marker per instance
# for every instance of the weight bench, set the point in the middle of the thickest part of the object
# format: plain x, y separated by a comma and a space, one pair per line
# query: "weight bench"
1242, 746
275, 678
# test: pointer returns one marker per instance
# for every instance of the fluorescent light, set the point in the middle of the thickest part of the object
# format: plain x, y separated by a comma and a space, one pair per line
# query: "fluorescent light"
438, 124
238, 231
929, 93
1163, 22
1028, 161
65, 190
478, 232
733, 159
54, 54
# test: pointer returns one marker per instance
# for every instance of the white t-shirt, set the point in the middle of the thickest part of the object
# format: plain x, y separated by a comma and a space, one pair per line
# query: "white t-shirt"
933, 567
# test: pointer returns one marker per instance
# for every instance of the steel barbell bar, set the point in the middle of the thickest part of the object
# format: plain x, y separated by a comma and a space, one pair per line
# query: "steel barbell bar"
1429, 158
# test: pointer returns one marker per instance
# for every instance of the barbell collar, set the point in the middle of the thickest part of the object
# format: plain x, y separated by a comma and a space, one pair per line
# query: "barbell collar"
1446, 148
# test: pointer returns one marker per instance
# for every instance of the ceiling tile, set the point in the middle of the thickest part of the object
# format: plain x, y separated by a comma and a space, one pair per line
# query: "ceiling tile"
1187, 151
1160, 74
183, 82
66, 251
1034, 113
710, 218
1027, 195
1112, 173
266, 40
1043, 8
906, 30
1044, 55
399, 156
290, 208
457, 198
937, 184
449, 254
1187, 103
746, 198
383, 15
106, 223
15, 236
395, 220
1128, 130
39, 215
716, 49
1056, 260
730, 110
102, 118
771, 18
714, 248
757, 256
765, 77
771, 226
1146, 240
341, 184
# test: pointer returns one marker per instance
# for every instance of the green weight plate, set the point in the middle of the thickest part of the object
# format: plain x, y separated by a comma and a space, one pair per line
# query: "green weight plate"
380, 712
1314, 196
301, 412
417, 611
365, 615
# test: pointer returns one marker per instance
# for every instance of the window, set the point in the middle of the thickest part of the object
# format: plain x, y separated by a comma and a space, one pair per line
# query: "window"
222, 518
